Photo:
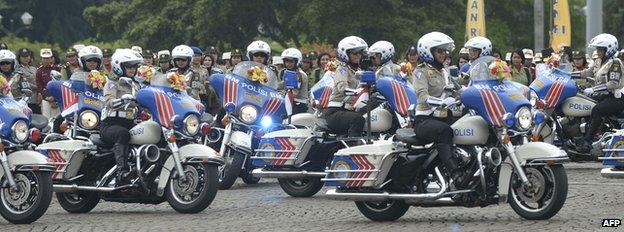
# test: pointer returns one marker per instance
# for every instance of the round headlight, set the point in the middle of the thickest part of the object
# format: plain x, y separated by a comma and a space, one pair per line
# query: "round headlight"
89, 119
191, 125
20, 131
248, 114
524, 118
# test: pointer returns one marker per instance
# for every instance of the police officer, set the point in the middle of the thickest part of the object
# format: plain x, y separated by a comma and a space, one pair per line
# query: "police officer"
164, 61
340, 114
196, 64
200, 88
607, 70
24, 78
306, 64
477, 47
71, 65
119, 109
106, 61
148, 58
7, 63
260, 51
431, 124
381, 54
292, 60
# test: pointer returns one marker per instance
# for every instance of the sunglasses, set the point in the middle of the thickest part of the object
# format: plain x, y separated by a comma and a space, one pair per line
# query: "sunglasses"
258, 54
93, 60
5, 63
178, 59
107, 56
131, 65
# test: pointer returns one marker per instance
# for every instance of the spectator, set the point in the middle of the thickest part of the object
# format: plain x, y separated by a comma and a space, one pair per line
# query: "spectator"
319, 72
412, 56
497, 53
464, 57
528, 56
519, 73
49, 108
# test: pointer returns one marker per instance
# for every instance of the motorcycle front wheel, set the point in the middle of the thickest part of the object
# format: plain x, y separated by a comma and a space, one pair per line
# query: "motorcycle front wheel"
545, 195
196, 192
29, 200
231, 169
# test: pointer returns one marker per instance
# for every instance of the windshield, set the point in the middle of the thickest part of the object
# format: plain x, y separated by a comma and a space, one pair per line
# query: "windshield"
479, 69
241, 70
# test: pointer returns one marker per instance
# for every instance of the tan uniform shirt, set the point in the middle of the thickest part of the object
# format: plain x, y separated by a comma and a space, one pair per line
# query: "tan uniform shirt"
428, 82
344, 77
115, 89
609, 73
24, 74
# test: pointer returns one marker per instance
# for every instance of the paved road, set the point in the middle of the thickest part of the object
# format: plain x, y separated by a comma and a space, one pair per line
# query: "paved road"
264, 207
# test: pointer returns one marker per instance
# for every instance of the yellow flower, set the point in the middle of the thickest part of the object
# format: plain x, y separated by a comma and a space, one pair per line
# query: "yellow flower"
5, 88
257, 74
407, 68
96, 79
500, 69
146, 73
177, 82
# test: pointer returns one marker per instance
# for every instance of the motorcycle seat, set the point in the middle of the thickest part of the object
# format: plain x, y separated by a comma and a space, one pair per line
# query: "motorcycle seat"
322, 125
408, 136
95, 139
39, 121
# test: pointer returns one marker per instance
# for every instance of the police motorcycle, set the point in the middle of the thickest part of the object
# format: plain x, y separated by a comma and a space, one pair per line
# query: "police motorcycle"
25, 175
613, 160
166, 162
250, 99
555, 92
297, 157
491, 146
80, 105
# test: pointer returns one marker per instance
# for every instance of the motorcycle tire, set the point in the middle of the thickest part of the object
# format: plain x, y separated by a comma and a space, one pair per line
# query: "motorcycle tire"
301, 187
382, 211
206, 194
556, 181
230, 170
79, 202
41, 201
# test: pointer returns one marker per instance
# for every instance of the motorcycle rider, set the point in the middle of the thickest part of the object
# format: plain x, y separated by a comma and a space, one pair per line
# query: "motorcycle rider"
292, 61
381, 54
430, 124
118, 112
340, 114
7, 63
477, 47
260, 51
200, 88
607, 71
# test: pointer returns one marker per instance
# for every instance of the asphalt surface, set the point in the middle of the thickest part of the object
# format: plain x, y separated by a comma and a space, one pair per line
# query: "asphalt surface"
265, 207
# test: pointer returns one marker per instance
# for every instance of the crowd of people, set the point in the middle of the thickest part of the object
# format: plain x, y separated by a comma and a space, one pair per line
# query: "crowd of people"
430, 60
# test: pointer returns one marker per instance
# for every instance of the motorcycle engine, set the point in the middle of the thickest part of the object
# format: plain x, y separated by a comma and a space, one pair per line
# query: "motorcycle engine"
462, 156
571, 126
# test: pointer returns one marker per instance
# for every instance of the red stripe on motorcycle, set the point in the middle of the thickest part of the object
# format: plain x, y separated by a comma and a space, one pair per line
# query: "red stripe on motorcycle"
325, 97
400, 98
164, 108
69, 98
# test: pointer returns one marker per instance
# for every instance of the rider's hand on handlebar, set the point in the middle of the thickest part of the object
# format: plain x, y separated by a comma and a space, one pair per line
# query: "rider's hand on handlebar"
449, 101
588, 91
127, 97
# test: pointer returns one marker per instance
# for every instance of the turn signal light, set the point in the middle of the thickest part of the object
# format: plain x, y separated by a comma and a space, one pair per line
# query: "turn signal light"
35, 135
205, 128
1, 147
172, 138
144, 116
506, 139
535, 137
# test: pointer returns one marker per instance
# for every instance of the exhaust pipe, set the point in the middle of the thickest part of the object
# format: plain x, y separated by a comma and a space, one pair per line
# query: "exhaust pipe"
259, 172
150, 152
66, 188
383, 196
493, 157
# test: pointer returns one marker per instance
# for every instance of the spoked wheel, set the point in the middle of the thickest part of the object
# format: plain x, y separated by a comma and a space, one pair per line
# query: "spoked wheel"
78, 202
196, 192
545, 195
301, 187
28, 200
230, 170
382, 211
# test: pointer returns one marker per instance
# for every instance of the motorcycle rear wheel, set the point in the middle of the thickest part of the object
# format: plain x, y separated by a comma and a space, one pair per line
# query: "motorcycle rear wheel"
79, 202
301, 187
382, 211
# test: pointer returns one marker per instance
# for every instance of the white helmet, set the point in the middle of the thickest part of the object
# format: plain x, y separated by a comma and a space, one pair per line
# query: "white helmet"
258, 46
432, 40
350, 43
89, 52
122, 56
6, 55
182, 52
607, 41
385, 48
481, 43
292, 53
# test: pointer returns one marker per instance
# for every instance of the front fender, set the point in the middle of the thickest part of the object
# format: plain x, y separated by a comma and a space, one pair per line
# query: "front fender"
191, 153
28, 160
240, 139
539, 151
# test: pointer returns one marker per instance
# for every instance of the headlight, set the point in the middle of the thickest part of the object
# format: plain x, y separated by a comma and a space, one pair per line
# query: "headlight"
191, 125
20, 131
89, 119
248, 114
524, 118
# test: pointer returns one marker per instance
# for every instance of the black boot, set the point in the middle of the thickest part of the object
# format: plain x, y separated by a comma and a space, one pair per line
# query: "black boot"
458, 176
121, 151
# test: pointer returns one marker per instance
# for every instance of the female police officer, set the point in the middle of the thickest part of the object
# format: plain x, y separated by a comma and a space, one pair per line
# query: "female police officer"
118, 112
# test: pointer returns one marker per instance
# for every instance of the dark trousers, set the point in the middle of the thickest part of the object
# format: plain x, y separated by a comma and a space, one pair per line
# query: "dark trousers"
36, 108
431, 129
116, 131
341, 120
608, 106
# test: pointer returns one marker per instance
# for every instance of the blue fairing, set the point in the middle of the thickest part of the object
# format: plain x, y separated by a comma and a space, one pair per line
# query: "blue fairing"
398, 92
164, 103
89, 98
553, 85
492, 99
10, 112
236, 89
